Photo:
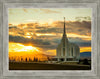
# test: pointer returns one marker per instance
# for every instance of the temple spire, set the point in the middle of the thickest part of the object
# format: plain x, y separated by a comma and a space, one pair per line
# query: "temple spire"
64, 34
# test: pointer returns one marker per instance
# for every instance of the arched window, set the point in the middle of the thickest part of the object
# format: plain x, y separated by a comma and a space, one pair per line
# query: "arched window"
63, 51
60, 53
64, 42
64, 47
72, 51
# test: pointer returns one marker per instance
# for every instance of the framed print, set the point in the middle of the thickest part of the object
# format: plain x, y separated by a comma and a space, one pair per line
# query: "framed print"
50, 40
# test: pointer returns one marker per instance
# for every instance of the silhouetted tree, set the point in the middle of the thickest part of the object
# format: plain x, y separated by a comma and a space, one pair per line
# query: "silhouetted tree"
26, 59
48, 58
38, 60
79, 62
85, 61
21, 59
30, 60
34, 59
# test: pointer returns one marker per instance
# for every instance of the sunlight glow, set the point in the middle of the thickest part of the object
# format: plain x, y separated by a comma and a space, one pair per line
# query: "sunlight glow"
85, 49
28, 36
76, 35
27, 33
45, 34
17, 47
18, 51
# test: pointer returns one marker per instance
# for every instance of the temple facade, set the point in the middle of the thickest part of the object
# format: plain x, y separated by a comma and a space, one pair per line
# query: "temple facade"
67, 51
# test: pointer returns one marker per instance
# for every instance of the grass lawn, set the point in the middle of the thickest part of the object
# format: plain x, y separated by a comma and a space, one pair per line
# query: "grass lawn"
45, 66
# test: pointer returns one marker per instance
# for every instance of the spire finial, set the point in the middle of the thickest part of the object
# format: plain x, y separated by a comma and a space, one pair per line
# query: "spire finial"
64, 28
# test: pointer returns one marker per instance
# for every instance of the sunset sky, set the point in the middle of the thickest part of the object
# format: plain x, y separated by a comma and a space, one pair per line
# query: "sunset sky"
37, 32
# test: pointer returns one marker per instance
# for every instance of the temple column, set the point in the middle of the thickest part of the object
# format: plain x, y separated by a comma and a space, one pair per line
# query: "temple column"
65, 59
58, 59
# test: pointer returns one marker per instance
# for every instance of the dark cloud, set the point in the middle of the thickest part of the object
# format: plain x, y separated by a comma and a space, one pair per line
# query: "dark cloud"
80, 42
16, 30
77, 41
19, 39
35, 42
83, 44
46, 44
81, 28
21, 25
13, 27
50, 42
50, 30
40, 27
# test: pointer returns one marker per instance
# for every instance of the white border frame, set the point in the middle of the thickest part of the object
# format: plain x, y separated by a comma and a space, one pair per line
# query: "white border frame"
92, 72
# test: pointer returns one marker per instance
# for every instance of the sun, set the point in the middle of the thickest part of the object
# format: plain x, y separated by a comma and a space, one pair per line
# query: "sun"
29, 47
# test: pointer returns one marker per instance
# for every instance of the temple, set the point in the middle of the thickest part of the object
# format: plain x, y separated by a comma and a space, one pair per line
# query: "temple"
66, 51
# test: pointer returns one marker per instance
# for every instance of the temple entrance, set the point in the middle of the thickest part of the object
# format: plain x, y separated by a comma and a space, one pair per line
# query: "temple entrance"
62, 59
69, 59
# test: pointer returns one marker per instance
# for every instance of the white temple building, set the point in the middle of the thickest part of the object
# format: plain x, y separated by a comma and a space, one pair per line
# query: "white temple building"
66, 51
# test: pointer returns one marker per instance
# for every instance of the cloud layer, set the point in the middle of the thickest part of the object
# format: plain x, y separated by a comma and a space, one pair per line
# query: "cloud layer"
48, 36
